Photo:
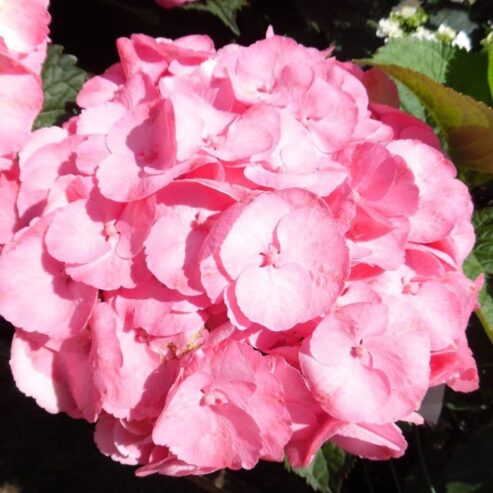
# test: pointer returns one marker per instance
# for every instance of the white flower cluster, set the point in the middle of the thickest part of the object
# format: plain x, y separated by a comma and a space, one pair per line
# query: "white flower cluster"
409, 19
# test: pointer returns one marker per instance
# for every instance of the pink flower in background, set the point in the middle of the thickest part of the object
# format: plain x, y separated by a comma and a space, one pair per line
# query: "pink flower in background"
228, 256
169, 4
23, 43
24, 31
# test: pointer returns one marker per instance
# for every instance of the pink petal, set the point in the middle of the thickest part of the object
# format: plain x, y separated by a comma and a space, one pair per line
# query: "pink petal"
21, 98
225, 435
275, 297
35, 292
312, 239
24, 24
110, 271
132, 379
74, 236
157, 309
143, 152
171, 257
376, 442
9, 187
134, 225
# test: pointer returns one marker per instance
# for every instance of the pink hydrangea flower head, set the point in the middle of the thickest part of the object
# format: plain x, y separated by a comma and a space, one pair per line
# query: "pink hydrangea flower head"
229, 255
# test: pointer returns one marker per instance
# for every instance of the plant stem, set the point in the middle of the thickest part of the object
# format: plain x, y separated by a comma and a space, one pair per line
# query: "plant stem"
422, 462
367, 477
394, 475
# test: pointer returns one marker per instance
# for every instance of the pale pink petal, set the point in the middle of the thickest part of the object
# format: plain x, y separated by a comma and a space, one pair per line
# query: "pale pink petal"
443, 199
171, 257
132, 379
110, 271
323, 255
24, 24
134, 225
74, 236
21, 98
35, 292
9, 188
275, 297
376, 442
143, 151
225, 436
32, 367
387, 367
157, 309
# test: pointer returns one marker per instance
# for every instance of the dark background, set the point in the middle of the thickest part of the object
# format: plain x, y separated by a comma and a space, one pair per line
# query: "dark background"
43, 453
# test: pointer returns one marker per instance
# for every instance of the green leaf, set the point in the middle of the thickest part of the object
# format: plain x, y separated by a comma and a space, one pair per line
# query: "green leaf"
427, 57
226, 10
328, 469
483, 250
472, 268
430, 58
466, 72
488, 44
481, 261
469, 469
62, 80
466, 124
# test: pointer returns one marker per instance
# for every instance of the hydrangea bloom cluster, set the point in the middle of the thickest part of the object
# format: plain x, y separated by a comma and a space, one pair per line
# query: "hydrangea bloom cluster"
237, 255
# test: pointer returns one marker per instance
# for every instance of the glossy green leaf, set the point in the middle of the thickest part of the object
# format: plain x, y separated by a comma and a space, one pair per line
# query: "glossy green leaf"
430, 58
327, 470
225, 10
62, 80
488, 43
481, 261
483, 250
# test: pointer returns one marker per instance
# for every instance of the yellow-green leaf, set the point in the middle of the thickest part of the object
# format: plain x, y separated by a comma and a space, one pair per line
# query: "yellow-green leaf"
466, 123
488, 43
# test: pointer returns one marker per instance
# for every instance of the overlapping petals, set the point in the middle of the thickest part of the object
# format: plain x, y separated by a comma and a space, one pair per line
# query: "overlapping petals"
23, 42
230, 256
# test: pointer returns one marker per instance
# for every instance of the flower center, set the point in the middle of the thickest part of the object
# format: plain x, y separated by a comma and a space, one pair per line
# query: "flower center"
147, 157
213, 398
358, 351
270, 257
110, 231
200, 219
